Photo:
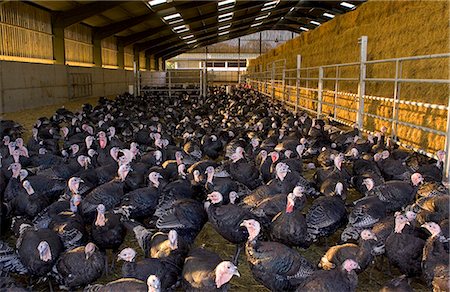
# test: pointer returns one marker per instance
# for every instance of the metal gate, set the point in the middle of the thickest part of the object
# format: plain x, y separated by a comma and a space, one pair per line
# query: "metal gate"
173, 81
339, 92
80, 85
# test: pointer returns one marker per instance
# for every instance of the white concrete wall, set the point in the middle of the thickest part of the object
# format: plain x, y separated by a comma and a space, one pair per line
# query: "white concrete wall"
28, 85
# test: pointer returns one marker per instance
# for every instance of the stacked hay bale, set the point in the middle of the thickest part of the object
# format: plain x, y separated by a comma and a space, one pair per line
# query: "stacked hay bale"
394, 29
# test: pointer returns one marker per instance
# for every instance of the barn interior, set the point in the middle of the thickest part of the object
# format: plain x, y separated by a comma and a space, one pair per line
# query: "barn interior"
323, 127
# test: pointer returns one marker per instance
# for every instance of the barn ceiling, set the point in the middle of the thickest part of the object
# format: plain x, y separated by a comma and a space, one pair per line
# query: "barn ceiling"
167, 28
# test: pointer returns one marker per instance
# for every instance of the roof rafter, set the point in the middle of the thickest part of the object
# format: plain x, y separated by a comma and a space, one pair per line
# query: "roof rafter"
189, 21
213, 28
168, 55
80, 13
111, 29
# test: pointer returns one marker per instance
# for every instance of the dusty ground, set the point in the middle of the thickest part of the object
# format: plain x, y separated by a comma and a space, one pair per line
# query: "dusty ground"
370, 280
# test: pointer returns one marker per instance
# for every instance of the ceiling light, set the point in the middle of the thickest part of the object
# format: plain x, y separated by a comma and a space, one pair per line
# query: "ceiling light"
271, 3
176, 21
303, 28
224, 27
156, 2
182, 30
348, 5
226, 15
191, 42
225, 19
225, 2
262, 17
267, 8
292, 9
172, 16
179, 27
315, 22
223, 8
328, 15
187, 37
256, 24
224, 32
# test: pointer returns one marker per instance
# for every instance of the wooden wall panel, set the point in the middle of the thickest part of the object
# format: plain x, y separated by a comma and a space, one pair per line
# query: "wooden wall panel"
25, 32
109, 51
78, 44
129, 57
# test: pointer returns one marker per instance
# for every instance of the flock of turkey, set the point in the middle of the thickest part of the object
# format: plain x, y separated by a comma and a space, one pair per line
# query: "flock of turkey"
159, 169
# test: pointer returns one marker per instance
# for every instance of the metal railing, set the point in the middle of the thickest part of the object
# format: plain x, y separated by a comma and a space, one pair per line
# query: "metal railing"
173, 81
338, 92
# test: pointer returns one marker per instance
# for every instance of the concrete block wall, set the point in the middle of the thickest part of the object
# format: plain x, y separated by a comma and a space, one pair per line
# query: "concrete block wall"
27, 85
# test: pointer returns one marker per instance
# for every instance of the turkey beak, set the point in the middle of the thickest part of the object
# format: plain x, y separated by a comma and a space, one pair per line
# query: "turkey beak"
81, 181
236, 273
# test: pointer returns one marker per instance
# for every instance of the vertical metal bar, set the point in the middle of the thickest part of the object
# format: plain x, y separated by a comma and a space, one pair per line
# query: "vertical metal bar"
395, 106
135, 78
447, 148
320, 93
260, 43
362, 81
336, 89
273, 81
297, 82
283, 96
200, 83
170, 82
239, 60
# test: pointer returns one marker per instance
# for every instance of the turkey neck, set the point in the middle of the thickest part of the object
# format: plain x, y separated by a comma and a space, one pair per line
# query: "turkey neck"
129, 268
251, 250
364, 256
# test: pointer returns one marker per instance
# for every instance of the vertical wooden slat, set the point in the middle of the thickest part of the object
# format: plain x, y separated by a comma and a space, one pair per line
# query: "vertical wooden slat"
25, 31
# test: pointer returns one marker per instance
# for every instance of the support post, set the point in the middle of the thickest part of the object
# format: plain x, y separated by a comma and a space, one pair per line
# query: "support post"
137, 85
283, 96
120, 56
239, 60
297, 83
394, 125
336, 89
59, 53
362, 81
447, 149
273, 81
320, 93
169, 76
97, 52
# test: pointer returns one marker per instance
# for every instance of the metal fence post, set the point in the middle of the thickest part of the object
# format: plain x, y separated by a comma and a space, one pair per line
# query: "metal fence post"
284, 87
362, 81
336, 89
320, 93
297, 83
398, 73
273, 81
447, 148
170, 83
200, 82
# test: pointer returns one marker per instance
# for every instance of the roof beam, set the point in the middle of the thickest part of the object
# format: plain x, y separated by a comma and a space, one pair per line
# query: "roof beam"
155, 31
179, 43
75, 15
244, 20
112, 29
169, 54
215, 38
